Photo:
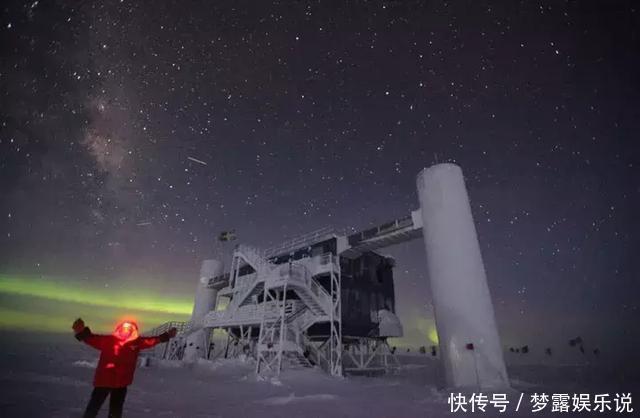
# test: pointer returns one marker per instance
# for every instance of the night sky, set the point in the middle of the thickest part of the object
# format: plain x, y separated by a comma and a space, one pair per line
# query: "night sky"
133, 132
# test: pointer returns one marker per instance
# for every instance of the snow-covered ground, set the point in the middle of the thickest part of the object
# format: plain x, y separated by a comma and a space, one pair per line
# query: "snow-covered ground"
49, 375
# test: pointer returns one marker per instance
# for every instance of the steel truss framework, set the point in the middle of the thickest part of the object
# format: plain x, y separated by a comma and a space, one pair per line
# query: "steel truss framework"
369, 355
236, 344
282, 321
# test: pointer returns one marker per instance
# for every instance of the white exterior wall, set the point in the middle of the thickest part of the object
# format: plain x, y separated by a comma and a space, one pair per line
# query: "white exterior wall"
204, 302
389, 324
462, 303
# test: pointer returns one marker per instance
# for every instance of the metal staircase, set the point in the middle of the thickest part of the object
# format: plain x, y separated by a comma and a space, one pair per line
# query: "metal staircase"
256, 289
254, 257
283, 337
284, 301
171, 350
296, 360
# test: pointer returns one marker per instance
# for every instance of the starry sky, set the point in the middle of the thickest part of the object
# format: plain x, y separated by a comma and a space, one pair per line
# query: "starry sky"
133, 132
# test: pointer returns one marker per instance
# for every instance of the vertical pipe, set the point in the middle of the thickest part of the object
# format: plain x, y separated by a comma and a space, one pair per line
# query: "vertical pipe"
469, 343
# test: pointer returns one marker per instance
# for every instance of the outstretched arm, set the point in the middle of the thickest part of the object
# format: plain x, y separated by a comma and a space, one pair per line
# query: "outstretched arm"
148, 342
84, 334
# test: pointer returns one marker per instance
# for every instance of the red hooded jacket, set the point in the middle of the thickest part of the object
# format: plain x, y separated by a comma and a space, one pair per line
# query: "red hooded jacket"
118, 358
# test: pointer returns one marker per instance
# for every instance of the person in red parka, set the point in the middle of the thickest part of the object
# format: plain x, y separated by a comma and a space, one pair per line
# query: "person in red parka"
117, 364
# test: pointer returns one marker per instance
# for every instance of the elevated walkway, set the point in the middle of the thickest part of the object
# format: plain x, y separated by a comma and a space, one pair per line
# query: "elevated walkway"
387, 234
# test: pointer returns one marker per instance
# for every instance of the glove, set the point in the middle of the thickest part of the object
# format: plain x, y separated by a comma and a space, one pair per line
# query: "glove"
172, 332
78, 325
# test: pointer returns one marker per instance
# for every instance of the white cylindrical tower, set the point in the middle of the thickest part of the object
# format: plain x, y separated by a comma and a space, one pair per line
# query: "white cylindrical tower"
469, 343
204, 302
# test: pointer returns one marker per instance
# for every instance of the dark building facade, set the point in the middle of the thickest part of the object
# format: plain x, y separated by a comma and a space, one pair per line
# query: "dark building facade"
366, 287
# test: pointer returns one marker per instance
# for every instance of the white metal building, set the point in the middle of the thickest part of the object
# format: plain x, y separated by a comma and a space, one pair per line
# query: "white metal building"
327, 299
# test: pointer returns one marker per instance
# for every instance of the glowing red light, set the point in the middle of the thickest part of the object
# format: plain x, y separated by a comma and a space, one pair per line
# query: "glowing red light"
126, 331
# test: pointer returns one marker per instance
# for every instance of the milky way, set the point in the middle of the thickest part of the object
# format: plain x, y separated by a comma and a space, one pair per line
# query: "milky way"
134, 132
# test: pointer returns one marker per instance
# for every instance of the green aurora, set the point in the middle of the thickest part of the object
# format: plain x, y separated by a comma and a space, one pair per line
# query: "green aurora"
51, 305
38, 304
